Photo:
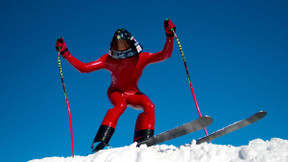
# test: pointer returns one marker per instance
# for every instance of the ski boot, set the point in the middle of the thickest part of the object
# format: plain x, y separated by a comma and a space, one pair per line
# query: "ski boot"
102, 138
97, 146
142, 135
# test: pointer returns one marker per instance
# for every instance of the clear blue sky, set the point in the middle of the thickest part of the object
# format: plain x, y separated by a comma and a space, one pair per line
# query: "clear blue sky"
236, 53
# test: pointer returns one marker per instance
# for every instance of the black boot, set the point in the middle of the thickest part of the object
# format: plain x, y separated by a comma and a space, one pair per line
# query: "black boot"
143, 134
102, 137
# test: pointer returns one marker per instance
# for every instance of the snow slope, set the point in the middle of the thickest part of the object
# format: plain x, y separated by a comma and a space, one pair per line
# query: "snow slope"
275, 150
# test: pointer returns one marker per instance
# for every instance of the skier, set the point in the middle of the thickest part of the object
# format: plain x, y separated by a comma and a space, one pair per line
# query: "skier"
125, 61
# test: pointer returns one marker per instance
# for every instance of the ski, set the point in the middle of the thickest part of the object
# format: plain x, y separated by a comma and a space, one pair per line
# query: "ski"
233, 127
184, 129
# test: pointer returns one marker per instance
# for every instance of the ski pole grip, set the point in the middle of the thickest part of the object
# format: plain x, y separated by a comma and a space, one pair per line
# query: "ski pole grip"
172, 30
59, 48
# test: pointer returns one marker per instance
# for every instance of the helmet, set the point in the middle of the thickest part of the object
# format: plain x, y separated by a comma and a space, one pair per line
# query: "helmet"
124, 45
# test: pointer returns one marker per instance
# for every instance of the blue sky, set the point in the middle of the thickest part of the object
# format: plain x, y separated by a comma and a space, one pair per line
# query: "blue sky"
236, 53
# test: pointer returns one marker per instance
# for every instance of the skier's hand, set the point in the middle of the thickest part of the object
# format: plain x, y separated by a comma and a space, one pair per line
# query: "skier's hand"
61, 47
168, 25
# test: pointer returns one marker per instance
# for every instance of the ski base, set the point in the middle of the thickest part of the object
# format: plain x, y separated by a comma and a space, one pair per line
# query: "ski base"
184, 129
233, 127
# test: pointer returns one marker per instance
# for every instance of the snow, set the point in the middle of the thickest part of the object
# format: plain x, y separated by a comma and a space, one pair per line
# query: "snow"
274, 150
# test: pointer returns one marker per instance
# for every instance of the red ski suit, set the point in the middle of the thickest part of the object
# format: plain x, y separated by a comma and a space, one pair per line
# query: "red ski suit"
123, 90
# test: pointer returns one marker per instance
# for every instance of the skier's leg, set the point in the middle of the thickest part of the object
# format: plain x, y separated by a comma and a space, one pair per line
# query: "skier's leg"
142, 129
112, 115
109, 123
146, 120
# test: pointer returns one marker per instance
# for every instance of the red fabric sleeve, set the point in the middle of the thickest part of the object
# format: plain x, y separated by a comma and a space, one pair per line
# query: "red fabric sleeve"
149, 58
86, 67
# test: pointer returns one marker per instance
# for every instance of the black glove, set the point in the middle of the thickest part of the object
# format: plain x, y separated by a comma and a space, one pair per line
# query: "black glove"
168, 25
61, 47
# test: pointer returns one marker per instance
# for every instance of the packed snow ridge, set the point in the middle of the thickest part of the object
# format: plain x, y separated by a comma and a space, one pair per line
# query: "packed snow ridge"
275, 150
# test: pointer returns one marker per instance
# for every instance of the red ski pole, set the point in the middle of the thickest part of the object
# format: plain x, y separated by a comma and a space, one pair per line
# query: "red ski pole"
188, 76
67, 102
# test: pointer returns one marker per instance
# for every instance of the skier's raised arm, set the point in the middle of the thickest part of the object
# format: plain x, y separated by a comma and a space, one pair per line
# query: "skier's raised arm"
79, 65
168, 47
